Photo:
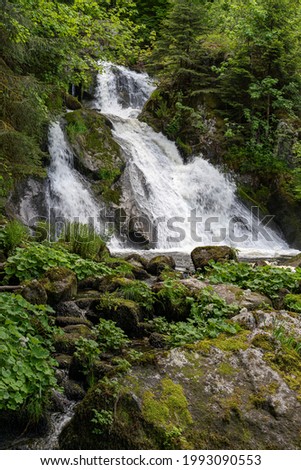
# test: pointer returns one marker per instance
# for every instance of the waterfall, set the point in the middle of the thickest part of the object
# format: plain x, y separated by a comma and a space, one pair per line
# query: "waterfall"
187, 205
69, 194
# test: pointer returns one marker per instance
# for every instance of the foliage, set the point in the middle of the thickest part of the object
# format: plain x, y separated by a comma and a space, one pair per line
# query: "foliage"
268, 280
27, 374
293, 303
102, 420
288, 341
174, 297
207, 319
109, 336
12, 235
83, 241
34, 260
139, 292
87, 351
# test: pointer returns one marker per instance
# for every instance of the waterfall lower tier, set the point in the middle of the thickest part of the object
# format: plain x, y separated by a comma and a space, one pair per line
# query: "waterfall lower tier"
69, 194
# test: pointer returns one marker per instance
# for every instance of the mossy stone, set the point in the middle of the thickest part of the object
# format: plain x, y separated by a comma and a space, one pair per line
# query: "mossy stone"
60, 285
202, 256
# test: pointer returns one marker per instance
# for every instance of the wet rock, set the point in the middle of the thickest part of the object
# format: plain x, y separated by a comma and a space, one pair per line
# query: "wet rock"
201, 256
157, 264
65, 343
35, 293
137, 260
63, 361
70, 309
60, 285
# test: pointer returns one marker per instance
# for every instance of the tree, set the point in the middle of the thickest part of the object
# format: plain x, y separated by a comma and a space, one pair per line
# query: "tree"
177, 52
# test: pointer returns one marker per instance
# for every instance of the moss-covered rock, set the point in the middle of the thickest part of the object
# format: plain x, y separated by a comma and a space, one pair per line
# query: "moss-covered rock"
98, 156
159, 263
201, 256
60, 285
71, 102
125, 313
35, 293
224, 393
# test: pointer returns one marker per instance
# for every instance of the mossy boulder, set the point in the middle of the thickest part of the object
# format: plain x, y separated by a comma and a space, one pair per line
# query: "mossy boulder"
71, 102
60, 285
201, 256
125, 313
232, 392
98, 156
159, 263
34, 293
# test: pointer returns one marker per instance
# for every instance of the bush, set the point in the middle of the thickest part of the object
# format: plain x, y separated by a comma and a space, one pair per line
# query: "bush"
27, 374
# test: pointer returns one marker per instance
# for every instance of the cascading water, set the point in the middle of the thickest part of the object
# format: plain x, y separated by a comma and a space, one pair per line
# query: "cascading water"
69, 195
189, 205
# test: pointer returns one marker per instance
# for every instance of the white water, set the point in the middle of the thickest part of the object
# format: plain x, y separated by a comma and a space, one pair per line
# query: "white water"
168, 192
69, 197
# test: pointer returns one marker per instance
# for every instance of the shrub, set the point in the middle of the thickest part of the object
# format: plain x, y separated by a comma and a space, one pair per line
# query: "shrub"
27, 374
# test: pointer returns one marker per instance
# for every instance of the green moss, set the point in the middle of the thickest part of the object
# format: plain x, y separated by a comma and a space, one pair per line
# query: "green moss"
98, 154
225, 343
260, 399
264, 341
167, 408
231, 407
287, 363
226, 369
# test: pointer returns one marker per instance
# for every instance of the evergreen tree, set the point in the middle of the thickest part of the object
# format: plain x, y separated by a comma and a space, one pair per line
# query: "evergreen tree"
177, 52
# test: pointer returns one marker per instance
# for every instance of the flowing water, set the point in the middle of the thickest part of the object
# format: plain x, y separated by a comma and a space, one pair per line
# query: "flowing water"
188, 205
69, 195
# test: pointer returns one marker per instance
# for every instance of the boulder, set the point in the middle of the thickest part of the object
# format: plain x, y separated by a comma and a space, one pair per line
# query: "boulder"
201, 256
157, 264
125, 313
70, 309
72, 102
232, 392
35, 293
60, 285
